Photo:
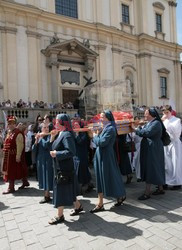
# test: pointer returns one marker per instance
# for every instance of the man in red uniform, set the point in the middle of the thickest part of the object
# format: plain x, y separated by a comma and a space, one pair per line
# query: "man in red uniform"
14, 166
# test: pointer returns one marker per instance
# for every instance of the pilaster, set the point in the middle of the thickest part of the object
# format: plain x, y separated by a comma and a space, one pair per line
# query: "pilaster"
34, 64
9, 56
116, 63
145, 79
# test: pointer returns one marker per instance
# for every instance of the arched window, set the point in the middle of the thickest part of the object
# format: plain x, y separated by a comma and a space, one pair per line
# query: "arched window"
67, 8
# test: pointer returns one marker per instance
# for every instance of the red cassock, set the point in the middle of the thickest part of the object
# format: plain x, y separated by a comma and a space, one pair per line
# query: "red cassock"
13, 170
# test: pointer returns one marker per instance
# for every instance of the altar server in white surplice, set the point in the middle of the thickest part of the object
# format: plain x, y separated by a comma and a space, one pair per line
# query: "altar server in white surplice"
173, 152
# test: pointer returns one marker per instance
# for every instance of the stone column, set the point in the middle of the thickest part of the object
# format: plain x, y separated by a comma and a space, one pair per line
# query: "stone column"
54, 77
35, 92
9, 66
172, 16
116, 63
101, 68
145, 79
178, 85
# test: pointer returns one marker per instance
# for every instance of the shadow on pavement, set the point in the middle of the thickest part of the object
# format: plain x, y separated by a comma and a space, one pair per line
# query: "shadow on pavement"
2, 206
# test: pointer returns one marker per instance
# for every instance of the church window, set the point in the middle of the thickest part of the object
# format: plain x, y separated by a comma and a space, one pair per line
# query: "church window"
158, 22
125, 14
67, 8
163, 87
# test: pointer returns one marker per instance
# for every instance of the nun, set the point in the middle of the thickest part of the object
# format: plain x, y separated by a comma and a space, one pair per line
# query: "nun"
152, 153
109, 181
62, 153
41, 149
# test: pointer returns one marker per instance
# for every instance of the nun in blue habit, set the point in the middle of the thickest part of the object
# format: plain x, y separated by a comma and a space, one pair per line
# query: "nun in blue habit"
152, 153
41, 150
108, 177
62, 153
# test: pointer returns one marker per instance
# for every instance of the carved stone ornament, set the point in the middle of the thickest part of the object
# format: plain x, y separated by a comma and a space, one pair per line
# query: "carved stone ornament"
159, 5
163, 70
172, 3
70, 76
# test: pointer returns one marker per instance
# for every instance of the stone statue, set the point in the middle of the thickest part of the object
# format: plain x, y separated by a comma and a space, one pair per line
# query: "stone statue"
86, 43
55, 39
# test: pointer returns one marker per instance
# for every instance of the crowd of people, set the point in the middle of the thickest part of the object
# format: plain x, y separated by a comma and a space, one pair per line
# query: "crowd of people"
36, 104
60, 153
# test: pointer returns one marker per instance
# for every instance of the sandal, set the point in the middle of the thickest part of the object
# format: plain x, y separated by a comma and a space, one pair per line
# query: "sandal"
97, 209
144, 197
120, 201
76, 211
56, 220
158, 192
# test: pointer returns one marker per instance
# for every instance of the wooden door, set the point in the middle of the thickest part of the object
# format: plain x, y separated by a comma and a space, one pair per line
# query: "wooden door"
69, 95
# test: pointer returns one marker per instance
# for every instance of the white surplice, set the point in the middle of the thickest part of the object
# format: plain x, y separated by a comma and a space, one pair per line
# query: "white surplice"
173, 152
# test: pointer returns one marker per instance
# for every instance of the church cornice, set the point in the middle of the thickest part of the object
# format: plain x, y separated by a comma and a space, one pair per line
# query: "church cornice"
7, 29
33, 34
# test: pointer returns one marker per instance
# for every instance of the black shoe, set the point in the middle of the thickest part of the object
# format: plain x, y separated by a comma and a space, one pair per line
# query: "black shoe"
144, 197
76, 211
9, 191
165, 187
26, 184
175, 187
45, 200
56, 220
128, 181
139, 180
97, 209
120, 201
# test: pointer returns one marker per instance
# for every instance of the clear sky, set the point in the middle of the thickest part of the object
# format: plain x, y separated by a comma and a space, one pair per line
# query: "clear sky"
179, 21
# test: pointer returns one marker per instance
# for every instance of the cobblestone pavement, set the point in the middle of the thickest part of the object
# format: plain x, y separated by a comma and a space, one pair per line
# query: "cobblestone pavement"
152, 224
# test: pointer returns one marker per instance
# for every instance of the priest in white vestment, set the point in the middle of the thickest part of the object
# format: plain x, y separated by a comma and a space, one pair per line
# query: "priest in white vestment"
173, 152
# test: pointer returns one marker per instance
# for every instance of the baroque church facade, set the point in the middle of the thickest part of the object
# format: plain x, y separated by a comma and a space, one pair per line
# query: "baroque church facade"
51, 49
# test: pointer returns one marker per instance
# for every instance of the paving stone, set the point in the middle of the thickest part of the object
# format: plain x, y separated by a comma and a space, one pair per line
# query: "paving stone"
36, 246
4, 243
14, 235
9, 225
154, 224
24, 227
46, 240
18, 245
3, 232
161, 243
8, 217
176, 242
163, 234
135, 247
63, 242
20, 218
32, 219
174, 232
80, 243
39, 228
1, 222
30, 238
143, 243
